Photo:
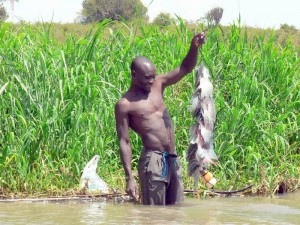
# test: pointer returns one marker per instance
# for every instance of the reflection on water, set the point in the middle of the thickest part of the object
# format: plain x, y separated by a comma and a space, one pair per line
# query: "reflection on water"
284, 209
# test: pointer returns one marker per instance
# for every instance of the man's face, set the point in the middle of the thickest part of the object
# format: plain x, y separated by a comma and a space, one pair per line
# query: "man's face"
145, 76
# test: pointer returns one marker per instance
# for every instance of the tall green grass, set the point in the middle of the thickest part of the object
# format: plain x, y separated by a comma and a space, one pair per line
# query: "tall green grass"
57, 104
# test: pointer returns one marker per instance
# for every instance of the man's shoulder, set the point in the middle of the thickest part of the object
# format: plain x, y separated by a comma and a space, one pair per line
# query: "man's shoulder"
123, 103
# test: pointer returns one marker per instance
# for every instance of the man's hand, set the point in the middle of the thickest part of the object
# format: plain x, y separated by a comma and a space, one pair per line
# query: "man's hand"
132, 189
199, 39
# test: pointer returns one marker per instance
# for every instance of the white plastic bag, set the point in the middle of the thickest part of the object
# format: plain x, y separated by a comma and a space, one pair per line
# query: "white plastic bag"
90, 181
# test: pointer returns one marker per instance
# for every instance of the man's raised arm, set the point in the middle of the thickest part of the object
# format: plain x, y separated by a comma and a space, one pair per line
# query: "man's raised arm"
188, 63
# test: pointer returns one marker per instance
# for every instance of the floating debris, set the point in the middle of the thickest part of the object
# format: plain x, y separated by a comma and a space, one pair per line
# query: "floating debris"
90, 182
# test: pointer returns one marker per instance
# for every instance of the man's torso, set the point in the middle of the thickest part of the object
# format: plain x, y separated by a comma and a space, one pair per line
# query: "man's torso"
149, 117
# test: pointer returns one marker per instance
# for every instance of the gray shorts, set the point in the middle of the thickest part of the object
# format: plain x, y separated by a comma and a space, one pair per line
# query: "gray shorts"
160, 176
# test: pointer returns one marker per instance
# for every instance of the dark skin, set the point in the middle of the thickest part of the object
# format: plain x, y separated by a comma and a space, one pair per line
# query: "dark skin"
142, 109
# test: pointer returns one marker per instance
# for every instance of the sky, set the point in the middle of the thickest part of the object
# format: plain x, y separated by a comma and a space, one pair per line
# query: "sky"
254, 13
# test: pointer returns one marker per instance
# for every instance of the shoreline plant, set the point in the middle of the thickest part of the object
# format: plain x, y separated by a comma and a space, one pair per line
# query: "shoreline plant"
57, 104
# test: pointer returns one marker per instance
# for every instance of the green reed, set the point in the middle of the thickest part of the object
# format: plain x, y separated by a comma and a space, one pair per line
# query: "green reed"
57, 103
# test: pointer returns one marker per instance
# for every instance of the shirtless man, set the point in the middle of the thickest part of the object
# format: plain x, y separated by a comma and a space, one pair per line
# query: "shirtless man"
142, 109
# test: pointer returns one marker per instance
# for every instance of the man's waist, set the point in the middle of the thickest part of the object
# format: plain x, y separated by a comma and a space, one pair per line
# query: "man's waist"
161, 152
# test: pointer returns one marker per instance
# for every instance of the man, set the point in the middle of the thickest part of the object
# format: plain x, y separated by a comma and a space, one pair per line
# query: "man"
142, 109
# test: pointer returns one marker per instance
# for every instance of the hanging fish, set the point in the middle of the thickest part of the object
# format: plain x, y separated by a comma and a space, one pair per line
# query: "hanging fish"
201, 152
90, 181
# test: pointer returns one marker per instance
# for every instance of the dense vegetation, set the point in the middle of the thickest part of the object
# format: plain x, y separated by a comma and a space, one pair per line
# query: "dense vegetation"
3, 13
58, 89
120, 10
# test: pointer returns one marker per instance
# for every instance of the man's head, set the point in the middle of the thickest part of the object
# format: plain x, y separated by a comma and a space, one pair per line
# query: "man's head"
142, 73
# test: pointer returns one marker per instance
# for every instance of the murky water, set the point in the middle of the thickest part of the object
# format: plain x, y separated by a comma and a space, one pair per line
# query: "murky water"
284, 209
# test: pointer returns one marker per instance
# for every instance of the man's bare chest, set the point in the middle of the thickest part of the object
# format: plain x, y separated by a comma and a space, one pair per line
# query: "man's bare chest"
147, 107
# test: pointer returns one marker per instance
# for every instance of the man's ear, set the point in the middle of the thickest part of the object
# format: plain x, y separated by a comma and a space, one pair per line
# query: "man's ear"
133, 74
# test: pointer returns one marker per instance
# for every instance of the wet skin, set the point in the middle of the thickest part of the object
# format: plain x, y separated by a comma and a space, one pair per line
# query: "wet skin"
149, 117
143, 110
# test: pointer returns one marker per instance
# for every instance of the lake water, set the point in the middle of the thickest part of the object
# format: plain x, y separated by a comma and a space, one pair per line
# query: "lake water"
281, 210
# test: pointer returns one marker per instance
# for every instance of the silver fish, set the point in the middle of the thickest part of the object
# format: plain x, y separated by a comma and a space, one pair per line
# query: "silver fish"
201, 152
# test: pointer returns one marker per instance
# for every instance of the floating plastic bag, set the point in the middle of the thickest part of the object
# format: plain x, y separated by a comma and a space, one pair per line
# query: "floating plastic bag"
90, 181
